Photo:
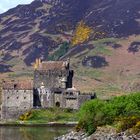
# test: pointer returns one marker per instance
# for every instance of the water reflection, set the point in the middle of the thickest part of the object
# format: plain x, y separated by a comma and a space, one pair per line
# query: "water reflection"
31, 133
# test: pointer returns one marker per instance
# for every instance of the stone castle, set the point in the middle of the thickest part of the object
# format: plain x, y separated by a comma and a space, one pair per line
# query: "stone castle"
52, 86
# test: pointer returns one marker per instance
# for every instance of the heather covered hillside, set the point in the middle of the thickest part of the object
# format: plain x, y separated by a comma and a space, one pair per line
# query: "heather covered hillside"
101, 37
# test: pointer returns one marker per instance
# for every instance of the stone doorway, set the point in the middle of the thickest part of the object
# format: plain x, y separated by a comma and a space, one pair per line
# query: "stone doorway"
57, 104
36, 99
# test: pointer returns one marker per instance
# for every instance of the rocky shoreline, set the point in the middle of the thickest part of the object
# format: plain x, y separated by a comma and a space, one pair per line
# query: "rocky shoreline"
100, 134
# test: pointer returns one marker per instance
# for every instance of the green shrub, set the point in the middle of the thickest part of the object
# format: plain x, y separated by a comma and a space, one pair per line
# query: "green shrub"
97, 113
60, 52
88, 115
68, 110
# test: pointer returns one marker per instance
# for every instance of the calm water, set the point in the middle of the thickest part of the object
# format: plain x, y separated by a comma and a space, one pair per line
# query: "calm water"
32, 133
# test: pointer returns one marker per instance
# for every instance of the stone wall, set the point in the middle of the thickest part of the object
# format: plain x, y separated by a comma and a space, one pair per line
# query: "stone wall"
16, 102
53, 78
71, 103
58, 100
83, 98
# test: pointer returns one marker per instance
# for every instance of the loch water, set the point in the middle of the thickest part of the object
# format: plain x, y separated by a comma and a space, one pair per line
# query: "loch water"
32, 133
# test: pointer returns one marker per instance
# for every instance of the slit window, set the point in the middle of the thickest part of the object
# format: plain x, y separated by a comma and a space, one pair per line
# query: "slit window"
15, 86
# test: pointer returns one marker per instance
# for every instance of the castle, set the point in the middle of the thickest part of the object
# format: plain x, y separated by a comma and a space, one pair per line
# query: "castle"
52, 86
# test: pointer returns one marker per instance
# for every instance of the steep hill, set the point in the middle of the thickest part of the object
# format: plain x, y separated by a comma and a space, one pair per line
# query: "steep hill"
44, 29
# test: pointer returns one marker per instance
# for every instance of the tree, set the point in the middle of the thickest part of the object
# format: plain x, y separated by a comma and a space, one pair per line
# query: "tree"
82, 34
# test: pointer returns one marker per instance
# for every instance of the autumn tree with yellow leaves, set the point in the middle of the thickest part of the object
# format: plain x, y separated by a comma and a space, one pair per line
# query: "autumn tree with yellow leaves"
82, 34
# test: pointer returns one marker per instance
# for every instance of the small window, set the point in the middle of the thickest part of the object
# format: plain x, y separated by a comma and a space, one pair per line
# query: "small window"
8, 97
15, 86
17, 97
24, 107
71, 93
24, 97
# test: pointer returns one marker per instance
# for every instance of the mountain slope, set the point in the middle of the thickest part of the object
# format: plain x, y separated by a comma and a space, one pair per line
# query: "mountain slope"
44, 29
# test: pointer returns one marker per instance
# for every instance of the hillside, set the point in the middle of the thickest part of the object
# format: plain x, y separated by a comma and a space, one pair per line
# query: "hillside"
44, 29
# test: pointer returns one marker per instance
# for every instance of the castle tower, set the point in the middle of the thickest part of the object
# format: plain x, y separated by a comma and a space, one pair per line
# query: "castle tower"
54, 74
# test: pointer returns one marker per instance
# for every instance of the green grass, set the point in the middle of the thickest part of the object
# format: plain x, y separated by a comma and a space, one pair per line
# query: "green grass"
89, 72
105, 91
101, 47
113, 40
20, 74
51, 115
104, 40
14, 62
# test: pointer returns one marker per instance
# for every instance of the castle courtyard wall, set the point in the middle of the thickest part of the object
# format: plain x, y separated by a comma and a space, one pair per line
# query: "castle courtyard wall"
72, 103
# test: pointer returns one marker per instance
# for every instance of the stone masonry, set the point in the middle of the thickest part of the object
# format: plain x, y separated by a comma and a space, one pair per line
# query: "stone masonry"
17, 98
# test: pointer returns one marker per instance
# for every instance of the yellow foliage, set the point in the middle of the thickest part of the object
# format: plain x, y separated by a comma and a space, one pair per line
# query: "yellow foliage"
82, 34
138, 125
25, 116
21, 117
129, 122
37, 63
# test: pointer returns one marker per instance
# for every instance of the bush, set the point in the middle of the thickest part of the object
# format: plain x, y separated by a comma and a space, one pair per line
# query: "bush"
88, 115
68, 110
128, 122
97, 113
25, 116
60, 52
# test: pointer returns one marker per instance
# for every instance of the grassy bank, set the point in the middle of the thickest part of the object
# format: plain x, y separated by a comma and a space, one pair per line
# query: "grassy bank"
121, 112
49, 115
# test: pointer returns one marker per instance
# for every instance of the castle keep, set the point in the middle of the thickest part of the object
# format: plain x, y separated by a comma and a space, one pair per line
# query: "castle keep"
54, 74
52, 86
